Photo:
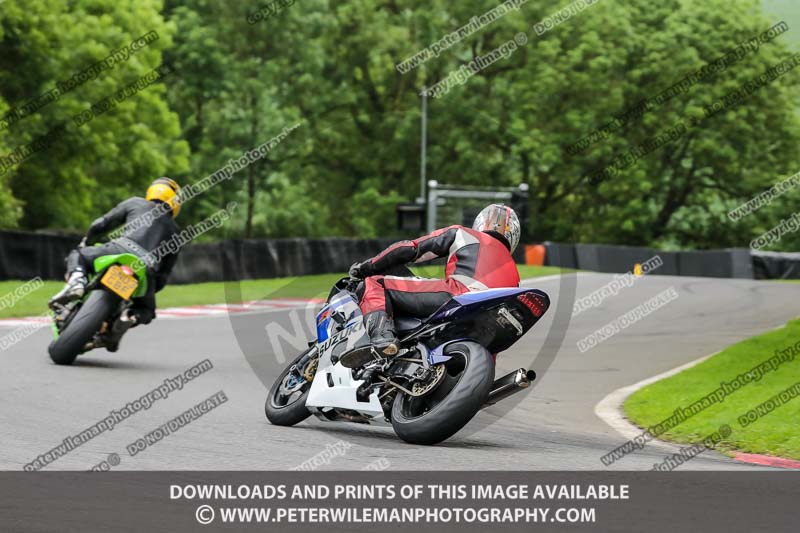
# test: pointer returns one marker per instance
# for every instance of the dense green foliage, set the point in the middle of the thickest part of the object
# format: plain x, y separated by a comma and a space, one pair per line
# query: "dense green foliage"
330, 66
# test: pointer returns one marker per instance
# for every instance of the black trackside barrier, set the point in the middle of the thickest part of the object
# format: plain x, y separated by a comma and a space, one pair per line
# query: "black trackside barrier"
25, 255
728, 263
731, 263
560, 254
776, 265
271, 258
607, 258
198, 264
620, 259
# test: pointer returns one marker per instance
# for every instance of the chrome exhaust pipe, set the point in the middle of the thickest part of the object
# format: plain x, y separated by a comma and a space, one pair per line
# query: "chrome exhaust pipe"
510, 384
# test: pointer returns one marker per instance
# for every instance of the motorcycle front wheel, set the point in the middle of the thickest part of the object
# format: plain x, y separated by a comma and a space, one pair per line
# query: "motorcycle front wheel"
286, 402
81, 329
437, 416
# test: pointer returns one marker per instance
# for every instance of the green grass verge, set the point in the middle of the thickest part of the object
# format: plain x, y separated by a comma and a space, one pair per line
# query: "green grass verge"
212, 293
776, 433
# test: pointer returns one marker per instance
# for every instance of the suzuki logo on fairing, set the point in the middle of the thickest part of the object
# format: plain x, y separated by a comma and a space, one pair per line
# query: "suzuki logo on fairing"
321, 348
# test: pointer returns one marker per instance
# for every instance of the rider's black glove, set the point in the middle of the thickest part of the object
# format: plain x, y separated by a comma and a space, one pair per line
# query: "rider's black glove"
362, 270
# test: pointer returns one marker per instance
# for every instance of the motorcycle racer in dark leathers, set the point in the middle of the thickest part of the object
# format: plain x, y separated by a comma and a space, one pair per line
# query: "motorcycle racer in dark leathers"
146, 223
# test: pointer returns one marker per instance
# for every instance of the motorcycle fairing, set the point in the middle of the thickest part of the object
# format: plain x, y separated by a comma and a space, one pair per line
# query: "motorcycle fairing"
340, 327
477, 300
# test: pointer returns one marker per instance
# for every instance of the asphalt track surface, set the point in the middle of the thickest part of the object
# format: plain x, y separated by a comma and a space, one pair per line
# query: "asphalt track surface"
552, 426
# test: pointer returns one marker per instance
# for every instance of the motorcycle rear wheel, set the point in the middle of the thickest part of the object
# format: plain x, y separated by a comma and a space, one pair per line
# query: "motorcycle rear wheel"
439, 415
81, 329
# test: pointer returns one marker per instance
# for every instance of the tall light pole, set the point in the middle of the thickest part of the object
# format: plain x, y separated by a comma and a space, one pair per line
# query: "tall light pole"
423, 143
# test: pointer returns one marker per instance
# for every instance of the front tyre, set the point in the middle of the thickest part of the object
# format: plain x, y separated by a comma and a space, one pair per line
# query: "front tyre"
70, 343
441, 414
286, 402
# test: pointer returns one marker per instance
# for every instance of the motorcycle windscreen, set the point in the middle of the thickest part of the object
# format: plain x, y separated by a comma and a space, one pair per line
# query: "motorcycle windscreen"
342, 311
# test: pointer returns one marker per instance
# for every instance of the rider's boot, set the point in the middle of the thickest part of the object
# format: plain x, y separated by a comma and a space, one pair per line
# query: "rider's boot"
380, 328
383, 341
73, 290
126, 321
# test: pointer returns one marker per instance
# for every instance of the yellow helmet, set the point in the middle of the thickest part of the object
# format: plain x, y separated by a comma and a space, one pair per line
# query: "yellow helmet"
166, 190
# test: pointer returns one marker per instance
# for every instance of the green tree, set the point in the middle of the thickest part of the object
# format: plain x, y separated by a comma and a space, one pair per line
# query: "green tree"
234, 100
514, 121
86, 169
10, 206
331, 66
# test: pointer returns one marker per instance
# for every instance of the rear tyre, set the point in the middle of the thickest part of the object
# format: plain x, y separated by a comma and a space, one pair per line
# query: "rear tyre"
90, 317
441, 414
287, 409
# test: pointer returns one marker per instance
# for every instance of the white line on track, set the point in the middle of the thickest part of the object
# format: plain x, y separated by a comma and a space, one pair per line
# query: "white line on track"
609, 409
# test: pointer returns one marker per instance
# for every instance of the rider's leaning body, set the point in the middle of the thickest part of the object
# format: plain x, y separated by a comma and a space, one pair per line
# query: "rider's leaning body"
146, 223
478, 258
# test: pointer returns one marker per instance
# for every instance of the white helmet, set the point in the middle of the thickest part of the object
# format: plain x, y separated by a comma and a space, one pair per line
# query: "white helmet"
500, 219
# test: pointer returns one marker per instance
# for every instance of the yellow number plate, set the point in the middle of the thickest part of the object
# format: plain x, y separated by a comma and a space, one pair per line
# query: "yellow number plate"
119, 282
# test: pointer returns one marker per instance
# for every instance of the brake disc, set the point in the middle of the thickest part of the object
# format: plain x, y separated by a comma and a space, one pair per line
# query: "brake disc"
421, 389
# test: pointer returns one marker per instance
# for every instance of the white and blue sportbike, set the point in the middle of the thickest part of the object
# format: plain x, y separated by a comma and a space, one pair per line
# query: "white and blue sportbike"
440, 378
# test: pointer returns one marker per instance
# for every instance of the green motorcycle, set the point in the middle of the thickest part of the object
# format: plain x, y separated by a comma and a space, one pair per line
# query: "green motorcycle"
97, 319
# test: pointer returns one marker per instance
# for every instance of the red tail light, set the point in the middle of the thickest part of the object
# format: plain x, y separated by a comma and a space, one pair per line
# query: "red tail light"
534, 303
128, 270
